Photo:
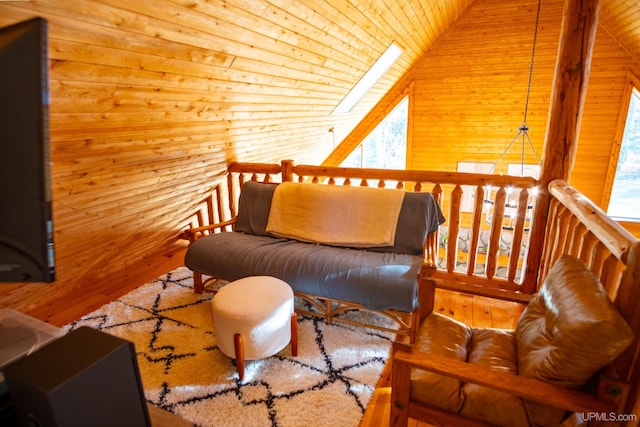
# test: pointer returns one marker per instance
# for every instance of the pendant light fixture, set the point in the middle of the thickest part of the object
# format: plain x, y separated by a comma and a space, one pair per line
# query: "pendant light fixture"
523, 136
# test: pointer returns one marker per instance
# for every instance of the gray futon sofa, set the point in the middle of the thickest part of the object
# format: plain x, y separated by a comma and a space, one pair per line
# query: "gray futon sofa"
377, 278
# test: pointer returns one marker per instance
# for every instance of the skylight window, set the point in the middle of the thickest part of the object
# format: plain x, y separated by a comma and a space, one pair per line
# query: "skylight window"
369, 79
623, 205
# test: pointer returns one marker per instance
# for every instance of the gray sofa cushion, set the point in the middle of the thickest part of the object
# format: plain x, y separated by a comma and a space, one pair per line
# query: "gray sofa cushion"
377, 280
419, 216
254, 204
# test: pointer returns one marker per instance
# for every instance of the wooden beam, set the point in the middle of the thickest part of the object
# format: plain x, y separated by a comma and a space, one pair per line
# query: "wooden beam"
577, 38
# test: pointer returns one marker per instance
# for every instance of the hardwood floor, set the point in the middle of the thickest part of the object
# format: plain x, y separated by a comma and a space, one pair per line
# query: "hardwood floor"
70, 307
470, 309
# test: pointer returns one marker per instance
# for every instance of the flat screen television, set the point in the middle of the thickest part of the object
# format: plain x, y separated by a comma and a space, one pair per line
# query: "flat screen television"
26, 224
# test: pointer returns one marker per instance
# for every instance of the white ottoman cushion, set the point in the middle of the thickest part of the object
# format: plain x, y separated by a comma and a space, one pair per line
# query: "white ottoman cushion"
259, 308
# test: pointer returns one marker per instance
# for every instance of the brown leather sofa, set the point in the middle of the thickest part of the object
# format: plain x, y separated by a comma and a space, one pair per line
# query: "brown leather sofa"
568, 332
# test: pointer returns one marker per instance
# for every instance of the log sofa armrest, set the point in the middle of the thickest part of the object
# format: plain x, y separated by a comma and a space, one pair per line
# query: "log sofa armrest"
430, 255
427, 287
428, 269
193, 234
405, 358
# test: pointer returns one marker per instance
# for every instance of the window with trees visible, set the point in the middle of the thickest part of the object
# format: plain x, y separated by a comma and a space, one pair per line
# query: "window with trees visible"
386, 146
624, 204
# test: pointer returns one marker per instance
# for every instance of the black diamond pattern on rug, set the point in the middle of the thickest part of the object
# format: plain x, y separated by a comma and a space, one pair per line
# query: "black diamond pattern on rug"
329, 383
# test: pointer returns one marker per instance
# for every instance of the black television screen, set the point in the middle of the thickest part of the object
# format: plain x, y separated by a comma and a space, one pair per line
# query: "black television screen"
26, 226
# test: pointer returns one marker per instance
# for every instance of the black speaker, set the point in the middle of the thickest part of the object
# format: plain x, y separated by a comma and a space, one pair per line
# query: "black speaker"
85, 378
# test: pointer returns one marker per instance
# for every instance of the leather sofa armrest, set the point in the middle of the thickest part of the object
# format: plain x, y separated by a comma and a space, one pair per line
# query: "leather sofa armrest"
527, 388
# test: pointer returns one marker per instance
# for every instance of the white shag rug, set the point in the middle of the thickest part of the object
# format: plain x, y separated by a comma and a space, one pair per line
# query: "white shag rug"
329, 383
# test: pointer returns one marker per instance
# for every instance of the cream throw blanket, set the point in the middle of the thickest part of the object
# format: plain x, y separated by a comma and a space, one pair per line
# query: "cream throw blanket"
335, 215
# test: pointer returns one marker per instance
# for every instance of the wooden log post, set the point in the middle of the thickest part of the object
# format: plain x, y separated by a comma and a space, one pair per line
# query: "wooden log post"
577, 37
287, 170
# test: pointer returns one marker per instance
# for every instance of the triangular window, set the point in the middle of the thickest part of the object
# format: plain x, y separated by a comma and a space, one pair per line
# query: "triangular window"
624, 205
386, 146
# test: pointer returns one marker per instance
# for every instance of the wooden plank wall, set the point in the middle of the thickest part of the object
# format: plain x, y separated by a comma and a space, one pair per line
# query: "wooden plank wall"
469, 94
151, 99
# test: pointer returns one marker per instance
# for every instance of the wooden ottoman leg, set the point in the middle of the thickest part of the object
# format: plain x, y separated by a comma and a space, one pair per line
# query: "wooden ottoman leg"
198, 287
237, 341
294, 334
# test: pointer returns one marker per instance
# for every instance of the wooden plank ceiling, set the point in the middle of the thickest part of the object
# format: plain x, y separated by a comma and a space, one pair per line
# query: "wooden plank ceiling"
151, 99
621, 18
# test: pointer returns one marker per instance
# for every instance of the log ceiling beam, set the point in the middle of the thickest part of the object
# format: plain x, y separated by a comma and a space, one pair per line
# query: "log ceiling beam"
577, 38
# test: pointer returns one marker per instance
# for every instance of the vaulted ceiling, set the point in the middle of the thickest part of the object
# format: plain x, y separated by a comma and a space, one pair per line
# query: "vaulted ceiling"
151, 99
621, 18
280, 65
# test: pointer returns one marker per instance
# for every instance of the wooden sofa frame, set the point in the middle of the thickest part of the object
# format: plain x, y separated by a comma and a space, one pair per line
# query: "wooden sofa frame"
442, 257
577, 227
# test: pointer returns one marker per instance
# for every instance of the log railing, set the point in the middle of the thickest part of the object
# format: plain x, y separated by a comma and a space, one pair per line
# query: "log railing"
481, 247
576, 226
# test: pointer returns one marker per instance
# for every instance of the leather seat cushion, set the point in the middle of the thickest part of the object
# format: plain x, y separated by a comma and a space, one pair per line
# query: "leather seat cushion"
492, 348
442, 336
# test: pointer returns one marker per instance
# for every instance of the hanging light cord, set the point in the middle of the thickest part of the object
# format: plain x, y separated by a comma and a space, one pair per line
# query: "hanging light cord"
533, 54
523, 131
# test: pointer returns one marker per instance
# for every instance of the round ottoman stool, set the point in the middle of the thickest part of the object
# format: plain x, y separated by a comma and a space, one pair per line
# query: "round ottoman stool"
253, 318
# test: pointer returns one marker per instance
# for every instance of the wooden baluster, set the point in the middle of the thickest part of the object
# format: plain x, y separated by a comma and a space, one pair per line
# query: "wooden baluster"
577, 237
564, 217
400, 185
551, 231
585, 252
364, 183
200, 216
454, 228
493, 252
231, 193
437, 193
516, 243
475, 230
431, 250
219, 204
381, 184
347, 182
600, 255
611, 270
286, 170
331, 181
570, 235
208, 208
433, 240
